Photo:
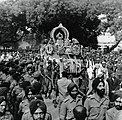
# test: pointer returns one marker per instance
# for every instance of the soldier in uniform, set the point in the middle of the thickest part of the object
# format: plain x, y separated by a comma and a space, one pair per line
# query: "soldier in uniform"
37, 111
16, 95
24, 105
97, 103
62, 87
29, 74
112, 113
73, 99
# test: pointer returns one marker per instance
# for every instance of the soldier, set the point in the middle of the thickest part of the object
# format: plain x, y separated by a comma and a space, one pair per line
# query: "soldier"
112, 113
29, 74
37, 111
97, 103
62, 88
73, 99
24, 105
16, 96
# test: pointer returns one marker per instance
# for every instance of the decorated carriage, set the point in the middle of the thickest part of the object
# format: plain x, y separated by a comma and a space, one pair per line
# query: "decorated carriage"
64, 51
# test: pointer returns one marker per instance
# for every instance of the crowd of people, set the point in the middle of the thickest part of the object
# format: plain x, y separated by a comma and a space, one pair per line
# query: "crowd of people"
28, 78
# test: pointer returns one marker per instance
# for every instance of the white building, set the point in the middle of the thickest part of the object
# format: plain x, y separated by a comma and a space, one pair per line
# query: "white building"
109, 40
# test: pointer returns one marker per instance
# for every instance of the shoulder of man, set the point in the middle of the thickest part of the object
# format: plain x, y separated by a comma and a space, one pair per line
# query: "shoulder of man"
67, 99
27, 112
27, 115
90, 96
48, 116
24, 101
111, 110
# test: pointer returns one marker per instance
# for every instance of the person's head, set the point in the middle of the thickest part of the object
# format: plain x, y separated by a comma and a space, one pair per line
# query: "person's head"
16, 76
20, 82
6, 70
29, 93
64, 74
98, 86
72, 89
118, 103
29, 69
104, 64
38, 109
25, 84
113, 75
37, 87
80, 112
3, 104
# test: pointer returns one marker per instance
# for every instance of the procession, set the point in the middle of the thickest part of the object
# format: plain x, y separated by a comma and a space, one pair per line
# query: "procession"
78, 82
52, 64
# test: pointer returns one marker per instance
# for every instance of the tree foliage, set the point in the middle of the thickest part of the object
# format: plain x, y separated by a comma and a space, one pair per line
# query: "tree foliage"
18, 18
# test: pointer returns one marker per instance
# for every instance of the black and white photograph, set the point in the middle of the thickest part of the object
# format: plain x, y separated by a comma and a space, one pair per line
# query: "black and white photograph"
60, 59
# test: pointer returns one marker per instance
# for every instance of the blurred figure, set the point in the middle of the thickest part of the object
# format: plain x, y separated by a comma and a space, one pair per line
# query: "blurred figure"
114, 84
4, 113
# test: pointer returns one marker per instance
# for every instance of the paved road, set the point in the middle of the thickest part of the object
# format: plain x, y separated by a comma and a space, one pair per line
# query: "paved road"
52, 110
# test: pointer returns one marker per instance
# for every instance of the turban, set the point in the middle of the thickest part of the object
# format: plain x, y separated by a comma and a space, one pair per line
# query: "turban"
37, 87
36, 103
96, 82
25, 84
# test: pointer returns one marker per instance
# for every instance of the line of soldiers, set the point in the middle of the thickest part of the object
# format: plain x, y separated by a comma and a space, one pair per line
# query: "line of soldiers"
24, 78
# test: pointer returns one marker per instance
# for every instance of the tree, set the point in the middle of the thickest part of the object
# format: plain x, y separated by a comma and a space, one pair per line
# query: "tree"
78, 16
